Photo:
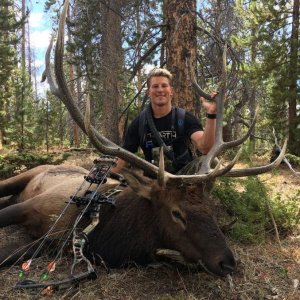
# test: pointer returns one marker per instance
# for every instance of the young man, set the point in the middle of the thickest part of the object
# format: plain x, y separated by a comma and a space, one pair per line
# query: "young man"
175, 126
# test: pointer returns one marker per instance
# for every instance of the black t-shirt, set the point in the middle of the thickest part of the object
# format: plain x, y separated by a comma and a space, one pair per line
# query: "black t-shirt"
172, 138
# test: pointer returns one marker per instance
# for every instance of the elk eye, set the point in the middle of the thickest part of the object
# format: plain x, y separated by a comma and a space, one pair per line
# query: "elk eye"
177, 215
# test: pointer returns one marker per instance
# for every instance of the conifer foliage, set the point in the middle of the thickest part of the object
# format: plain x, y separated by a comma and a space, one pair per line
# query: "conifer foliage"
111, 45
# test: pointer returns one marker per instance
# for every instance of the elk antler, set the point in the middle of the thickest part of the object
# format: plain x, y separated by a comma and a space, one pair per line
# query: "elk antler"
60, 89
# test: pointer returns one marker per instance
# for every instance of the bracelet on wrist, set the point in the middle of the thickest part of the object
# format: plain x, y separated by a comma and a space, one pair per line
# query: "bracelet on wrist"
211, 116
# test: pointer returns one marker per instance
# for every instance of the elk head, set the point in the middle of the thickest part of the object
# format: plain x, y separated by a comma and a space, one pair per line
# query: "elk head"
177, 222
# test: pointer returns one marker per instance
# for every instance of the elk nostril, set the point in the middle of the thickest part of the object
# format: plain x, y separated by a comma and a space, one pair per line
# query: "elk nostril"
227, 268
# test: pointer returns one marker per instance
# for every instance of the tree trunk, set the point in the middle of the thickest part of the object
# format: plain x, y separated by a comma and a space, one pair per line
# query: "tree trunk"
252, 102
293, 76
34, 78
1, 138
29, 56
23, 66
75, 128
79, 96
181, 47
61, 124
139, 71
111, 68
47, 125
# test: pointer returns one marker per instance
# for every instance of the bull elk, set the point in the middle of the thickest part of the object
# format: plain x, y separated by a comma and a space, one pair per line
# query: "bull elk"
150, 215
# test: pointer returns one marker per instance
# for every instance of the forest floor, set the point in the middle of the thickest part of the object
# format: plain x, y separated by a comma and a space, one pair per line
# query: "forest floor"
265, 271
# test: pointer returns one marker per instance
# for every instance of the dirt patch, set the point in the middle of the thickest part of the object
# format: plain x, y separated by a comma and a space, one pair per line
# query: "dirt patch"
264, 272
280, 180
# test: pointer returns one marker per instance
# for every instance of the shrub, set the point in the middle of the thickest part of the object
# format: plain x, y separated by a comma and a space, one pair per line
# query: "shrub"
286, 211
12, 164
246, 200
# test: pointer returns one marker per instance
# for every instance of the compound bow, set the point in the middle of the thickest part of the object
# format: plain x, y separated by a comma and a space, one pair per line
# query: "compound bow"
91, 202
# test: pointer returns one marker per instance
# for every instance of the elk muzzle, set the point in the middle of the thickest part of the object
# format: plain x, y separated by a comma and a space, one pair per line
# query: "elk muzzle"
221, 265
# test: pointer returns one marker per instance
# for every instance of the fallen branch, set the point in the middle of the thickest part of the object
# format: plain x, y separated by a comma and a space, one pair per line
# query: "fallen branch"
297, 174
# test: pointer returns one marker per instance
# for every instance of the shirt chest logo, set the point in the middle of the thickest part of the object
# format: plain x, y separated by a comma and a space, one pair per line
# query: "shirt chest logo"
167, 135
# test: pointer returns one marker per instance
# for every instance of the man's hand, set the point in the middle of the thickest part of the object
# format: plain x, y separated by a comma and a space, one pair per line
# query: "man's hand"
209, 106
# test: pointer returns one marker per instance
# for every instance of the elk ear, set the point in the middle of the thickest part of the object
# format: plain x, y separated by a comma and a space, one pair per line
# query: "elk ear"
140, 184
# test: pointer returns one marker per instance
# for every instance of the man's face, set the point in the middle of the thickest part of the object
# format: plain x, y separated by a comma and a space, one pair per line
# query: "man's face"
160, 90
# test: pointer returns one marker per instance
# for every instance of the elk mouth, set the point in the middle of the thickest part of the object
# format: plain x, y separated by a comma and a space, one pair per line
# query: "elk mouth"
221, 269
174, 256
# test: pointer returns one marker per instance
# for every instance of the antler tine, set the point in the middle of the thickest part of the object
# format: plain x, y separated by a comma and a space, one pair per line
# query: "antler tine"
239, 141
259, 170
161, 172
198, 89
219, 143
192, 77
194, 178
100, 142
229, 166
48, 72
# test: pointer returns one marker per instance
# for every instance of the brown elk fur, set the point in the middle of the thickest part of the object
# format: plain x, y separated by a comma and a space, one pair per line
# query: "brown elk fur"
146, 217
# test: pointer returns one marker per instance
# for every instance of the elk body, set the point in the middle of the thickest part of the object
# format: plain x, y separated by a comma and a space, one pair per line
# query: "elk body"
147, 217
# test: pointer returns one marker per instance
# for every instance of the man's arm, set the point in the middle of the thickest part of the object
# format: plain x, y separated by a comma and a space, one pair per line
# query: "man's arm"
204, 140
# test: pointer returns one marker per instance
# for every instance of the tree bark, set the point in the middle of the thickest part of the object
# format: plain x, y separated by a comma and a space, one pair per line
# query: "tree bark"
252, 100
75, 127
29, 55
23, 66
294, 76
111, 68
181, 47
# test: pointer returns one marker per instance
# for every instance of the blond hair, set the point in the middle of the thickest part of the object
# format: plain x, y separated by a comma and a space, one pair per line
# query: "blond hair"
156, 72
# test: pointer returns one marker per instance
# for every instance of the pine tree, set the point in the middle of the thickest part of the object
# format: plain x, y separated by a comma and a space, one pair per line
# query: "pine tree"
8, 61
274, 74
